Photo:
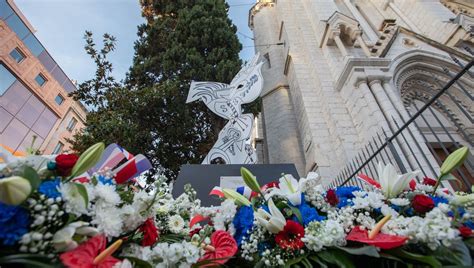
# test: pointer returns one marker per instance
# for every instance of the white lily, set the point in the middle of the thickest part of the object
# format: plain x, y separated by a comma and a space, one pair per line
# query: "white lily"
290, 188
391, 183
62, 239
274, 221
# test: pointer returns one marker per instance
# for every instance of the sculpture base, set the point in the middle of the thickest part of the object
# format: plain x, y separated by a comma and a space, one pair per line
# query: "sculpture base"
205, 177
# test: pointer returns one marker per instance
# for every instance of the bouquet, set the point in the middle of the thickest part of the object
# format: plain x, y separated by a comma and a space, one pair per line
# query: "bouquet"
90, 211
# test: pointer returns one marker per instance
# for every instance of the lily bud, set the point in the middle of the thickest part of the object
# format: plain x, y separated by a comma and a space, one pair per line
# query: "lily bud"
238, 198
250, 179
14, 190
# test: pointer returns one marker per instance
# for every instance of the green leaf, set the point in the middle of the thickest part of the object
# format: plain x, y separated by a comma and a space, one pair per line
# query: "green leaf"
365, 250
336, 257
315, 259
81, 189
28, 260
31, 175
297, 213
88, 159
250, 180
457, 254
138, 263
405, 255
453, 160
294, 261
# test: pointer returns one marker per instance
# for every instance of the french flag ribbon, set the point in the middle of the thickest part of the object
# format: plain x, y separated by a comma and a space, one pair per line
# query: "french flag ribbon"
217, 191
243, 190
366, 179
246, 191
131, 169
112, 155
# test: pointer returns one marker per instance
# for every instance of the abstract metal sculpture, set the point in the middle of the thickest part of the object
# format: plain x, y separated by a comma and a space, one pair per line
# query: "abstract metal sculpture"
233, 144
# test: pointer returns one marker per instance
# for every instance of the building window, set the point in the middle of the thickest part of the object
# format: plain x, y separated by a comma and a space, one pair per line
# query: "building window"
58, 148
72, 124
59, 99
6, 79
40, 79
17, 55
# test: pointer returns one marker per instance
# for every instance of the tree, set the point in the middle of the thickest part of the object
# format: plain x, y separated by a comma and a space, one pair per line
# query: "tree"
182, 40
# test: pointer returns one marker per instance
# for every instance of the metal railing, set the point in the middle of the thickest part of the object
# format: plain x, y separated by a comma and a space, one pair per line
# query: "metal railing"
419, 137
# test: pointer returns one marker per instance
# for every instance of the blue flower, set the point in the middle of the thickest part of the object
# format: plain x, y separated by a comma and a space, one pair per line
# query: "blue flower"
469, 224
50, 188
346, 191
243, 222
262, 247
14, 221
437, 200
308, 214
345, 195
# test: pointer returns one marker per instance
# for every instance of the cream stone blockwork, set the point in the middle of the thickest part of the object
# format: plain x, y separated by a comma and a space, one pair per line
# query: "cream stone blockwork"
332, 78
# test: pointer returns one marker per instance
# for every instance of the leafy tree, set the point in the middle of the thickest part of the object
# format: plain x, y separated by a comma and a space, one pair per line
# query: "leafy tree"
181, 41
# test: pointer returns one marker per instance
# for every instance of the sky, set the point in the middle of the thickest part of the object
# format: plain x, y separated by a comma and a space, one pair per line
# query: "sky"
60, 27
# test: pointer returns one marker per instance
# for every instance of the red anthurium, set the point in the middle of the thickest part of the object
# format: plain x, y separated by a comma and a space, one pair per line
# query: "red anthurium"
83, 256
223, 247
150, 232
290, 236
384, 241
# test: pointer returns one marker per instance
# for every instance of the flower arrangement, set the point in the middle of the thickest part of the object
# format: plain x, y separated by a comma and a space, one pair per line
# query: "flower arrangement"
89, 211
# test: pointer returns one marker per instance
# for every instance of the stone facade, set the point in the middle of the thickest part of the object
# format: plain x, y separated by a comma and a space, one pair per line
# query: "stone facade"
339, 71
28, 108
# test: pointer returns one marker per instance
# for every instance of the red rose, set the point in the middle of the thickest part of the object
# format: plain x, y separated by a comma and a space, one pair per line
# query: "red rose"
150, 233
290, 236
429, 181
465, 231
422, 203
331, 197
65, 162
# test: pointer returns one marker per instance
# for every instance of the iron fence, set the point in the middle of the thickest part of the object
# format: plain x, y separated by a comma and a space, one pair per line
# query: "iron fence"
423, 133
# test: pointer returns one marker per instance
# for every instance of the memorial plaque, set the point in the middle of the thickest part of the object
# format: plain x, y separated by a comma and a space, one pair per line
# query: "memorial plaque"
205, 177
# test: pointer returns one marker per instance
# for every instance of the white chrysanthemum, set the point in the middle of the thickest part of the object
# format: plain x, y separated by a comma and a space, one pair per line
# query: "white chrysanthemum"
108, 220
74, 202
324, 234
107, 193
400, 202
182, 254
175, 224
131, 217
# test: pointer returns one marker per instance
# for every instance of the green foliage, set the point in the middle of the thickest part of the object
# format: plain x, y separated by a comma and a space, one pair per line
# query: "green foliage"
180, 42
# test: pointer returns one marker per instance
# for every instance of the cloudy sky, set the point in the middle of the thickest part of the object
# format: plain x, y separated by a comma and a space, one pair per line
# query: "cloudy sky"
60, 26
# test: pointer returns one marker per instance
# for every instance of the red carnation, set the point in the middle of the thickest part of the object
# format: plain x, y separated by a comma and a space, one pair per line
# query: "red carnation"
150, 233
65, 163
429, 181
290, 236
331, 197
422, 203
465, 231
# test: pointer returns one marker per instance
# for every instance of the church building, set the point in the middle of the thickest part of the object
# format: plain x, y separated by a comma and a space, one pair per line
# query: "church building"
341, 76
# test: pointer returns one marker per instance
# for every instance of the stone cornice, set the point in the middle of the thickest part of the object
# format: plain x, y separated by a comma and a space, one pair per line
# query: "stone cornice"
256, 8
359, 64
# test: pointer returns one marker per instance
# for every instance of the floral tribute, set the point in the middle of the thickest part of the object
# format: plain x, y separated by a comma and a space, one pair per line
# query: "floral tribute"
91, 211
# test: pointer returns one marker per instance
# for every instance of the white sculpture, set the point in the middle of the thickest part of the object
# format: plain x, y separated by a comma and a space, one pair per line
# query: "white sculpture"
233, 145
